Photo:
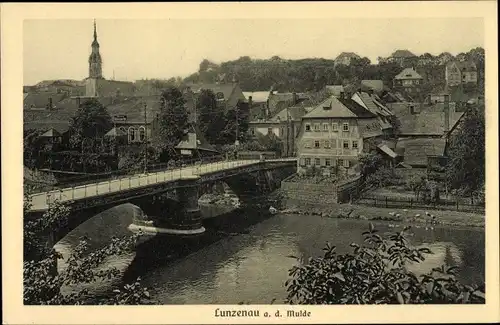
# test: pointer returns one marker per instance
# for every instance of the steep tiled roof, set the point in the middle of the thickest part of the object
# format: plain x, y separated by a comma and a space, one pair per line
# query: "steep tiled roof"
427, 123
408, 73
402, 54
338, 108
416, 151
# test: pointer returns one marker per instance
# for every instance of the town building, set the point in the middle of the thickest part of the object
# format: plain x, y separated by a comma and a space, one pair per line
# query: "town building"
258, 103
409, 81
345, 58
278, 101
458, 73
334, 133
404, 58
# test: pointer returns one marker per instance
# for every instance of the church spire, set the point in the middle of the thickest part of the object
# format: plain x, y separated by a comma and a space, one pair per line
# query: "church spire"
95, 61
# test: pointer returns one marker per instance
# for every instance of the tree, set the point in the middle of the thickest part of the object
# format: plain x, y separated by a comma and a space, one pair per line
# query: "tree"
466, 166
32, 146
42, 283
172, 123
211, 118
236, 119
91, 121
370, 163
376, 273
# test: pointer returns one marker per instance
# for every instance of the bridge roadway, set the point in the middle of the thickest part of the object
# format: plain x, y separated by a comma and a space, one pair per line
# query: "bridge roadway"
41, 201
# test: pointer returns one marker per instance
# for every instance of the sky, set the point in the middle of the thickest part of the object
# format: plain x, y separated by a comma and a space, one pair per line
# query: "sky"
152, 48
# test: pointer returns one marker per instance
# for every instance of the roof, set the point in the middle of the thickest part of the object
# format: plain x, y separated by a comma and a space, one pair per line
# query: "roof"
416, 151
41, 99
194, 140
295, 113
51, 133
257, 96
133, 109
338, 108
464, 66
115, 132
375, 85
371, 103
408, 73
369, 128
45, 119
427, 122
224, 88
402, 54
387, 150
347, 54
335, 89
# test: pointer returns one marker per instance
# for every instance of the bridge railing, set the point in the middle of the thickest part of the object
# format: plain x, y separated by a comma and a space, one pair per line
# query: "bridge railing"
42, 200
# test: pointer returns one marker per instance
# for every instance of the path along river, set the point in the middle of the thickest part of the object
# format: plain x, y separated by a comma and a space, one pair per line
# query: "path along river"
242, 257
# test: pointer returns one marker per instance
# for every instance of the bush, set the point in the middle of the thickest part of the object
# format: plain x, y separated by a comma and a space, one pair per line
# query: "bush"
376, 273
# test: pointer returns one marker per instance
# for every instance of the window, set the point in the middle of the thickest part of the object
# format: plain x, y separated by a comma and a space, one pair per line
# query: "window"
327, 144
355, 144
307, 144
142, 133
131, 134
346, 144
316, 144
335, 127
340, 162
325, 127
346, 163
317, 162
302, 162
328, 162
345, 127
308, 127
316, 127
269, 130
308, 161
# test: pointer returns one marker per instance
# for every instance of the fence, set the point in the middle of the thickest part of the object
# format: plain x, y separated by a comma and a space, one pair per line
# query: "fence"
410, 203
42, 200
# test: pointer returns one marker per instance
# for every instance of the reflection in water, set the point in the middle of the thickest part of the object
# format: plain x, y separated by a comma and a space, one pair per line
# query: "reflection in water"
252, 265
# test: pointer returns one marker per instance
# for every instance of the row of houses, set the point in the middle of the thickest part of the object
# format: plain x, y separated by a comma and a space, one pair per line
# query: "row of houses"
332, 133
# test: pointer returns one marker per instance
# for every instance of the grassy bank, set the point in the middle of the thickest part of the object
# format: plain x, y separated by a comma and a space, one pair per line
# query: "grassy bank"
408, 216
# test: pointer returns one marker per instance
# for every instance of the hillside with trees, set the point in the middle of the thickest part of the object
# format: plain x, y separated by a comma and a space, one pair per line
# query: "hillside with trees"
314, 73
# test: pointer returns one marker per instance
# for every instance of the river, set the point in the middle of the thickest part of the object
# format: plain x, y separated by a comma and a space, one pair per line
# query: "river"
243, 256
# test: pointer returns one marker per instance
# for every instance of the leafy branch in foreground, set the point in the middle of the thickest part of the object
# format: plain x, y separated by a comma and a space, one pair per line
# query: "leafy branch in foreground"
376, 273
43, 283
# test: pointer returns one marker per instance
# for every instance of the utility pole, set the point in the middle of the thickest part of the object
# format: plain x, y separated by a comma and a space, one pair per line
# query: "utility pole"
237, 142
287, 132
145, 141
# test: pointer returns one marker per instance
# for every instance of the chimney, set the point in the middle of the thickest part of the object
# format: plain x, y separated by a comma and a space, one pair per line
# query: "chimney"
446, 109
250, 102
294, 98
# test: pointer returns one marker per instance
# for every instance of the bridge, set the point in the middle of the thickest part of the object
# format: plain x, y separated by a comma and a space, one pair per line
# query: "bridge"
169, 198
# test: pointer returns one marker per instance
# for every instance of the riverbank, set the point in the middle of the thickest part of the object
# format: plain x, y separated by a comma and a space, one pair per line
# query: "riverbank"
408, 216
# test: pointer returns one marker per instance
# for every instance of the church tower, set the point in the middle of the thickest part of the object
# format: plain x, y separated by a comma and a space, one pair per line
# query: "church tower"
95, 61
95, 69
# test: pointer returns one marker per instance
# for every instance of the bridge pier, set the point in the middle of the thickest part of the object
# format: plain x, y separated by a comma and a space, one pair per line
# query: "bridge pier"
173, 213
